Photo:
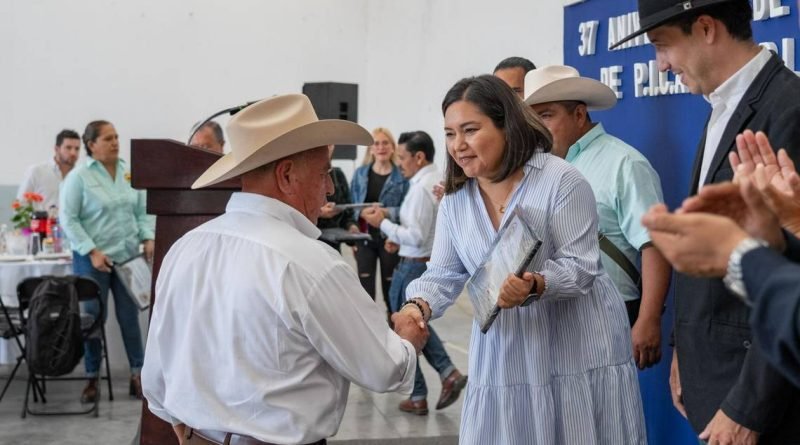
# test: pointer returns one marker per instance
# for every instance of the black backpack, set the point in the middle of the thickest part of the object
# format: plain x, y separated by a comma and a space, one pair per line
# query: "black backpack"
53, 337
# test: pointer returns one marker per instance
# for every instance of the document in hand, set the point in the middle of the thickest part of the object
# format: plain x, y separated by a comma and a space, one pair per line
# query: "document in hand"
512, 244
136, 275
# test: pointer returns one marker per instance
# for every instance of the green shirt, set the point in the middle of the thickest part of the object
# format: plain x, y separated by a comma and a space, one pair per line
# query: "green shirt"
97, 211
625, 186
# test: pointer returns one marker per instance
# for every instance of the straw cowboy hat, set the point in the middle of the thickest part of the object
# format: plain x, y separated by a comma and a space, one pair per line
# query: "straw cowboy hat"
558, 83
273, 129
654, 13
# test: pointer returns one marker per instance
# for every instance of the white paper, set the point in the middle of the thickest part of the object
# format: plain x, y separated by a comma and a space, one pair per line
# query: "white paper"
137, 276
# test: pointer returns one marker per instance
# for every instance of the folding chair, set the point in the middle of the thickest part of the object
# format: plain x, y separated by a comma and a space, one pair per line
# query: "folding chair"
87, 290
11, 328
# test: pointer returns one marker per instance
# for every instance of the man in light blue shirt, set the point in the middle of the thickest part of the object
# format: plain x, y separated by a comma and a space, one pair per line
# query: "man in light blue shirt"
625, 187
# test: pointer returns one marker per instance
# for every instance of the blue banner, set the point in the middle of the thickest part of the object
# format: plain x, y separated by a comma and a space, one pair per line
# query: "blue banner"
657, 115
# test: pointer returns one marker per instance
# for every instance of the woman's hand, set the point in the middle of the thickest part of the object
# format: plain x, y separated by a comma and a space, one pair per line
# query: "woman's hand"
149, 250
100, 261
515, 290
390, 247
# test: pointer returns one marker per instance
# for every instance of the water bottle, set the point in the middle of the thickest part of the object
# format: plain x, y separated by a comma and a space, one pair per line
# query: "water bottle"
56, 234
34, 243
3, 239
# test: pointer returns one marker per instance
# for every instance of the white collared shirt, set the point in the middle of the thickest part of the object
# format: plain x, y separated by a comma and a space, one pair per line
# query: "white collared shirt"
44, 179
259, 328
417, 225
724, 101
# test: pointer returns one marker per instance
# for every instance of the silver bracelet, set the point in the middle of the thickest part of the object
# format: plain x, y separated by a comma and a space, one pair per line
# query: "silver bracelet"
734, 278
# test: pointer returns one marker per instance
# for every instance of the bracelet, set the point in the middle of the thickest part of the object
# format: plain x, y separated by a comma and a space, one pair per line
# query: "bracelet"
417, 304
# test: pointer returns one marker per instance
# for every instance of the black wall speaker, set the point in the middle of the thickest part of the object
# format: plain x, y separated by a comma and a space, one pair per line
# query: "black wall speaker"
334, 100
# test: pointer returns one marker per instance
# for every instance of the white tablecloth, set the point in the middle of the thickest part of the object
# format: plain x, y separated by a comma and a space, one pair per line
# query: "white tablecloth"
11, 273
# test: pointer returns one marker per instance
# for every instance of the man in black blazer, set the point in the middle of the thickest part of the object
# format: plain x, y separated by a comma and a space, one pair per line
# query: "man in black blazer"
720, 381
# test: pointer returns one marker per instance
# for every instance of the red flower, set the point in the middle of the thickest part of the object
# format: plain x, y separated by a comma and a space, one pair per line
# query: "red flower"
33, 197
15, 205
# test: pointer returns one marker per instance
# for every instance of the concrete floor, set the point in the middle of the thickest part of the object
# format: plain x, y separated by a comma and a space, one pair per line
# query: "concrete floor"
369, 417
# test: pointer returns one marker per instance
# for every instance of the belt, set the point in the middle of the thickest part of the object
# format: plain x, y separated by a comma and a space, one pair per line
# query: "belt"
423, 259
210, 437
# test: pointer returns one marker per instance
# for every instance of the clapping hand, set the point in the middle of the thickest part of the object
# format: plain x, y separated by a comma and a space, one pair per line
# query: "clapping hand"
410, 325
774, 176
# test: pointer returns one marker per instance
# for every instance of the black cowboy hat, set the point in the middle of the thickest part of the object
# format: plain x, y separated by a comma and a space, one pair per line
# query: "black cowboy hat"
654, 13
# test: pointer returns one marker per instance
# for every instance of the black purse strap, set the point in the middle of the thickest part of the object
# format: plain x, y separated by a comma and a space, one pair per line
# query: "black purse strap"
622, 261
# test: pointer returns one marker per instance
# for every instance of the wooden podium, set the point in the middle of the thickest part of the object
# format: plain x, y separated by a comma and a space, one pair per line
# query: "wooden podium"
167, 169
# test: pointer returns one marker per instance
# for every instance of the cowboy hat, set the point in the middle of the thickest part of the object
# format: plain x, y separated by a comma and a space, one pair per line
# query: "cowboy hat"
273, 129
557, 83
654, 13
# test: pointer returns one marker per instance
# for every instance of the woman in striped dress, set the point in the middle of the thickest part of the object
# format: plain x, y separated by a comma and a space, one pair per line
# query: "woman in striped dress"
559, 371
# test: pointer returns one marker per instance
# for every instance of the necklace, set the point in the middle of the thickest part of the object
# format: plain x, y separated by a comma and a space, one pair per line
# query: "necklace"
502, 206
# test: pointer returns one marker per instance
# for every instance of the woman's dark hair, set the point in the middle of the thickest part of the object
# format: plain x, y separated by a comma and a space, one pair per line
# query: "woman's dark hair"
91, 133
416, 141
735, 15
524, 132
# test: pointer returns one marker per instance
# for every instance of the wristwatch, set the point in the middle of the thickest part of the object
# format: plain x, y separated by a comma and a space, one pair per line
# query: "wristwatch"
734, 278
533, 296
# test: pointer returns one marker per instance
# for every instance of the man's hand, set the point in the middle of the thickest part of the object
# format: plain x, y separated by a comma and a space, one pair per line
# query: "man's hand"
438, 191
784, 204
409, 325
724, 431
515, 290
373, 216
694, 243
329, 210
149, 250
390, 247
100, 261
754, 149
675, 385
646, 339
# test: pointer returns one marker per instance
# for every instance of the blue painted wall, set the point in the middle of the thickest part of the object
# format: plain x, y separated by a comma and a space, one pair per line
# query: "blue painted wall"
666, 129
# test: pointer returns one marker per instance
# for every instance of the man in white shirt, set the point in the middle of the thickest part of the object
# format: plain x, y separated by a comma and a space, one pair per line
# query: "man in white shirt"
45, 178
414, 236
258, 328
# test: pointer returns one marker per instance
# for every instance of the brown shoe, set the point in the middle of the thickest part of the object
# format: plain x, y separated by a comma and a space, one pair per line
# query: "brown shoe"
451, 389
135, 388
91, 392
418, 407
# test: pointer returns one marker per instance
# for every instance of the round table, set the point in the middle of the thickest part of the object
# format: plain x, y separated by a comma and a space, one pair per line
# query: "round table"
12, 271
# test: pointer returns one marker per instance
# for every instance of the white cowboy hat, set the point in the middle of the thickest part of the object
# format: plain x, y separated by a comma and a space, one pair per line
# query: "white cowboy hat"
558, 83
273, 129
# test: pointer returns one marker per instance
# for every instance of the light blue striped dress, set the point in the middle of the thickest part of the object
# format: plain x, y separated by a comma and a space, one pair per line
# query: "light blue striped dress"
559, 371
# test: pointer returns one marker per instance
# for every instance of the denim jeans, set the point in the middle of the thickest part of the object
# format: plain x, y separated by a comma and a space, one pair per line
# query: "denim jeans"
434, 352
125, 308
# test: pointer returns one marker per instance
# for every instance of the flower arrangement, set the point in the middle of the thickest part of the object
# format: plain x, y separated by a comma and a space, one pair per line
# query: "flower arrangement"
23, 211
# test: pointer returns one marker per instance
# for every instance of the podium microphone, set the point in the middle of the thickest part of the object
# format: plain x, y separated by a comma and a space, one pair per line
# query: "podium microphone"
231, 111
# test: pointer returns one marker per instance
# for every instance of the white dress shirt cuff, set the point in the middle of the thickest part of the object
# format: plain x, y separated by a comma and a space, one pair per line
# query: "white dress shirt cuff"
389, 229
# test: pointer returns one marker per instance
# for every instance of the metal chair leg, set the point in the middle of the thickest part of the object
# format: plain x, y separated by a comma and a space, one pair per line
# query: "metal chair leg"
108, 366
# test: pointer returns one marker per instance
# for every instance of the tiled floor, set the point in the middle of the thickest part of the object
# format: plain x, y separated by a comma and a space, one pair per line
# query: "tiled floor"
369, 417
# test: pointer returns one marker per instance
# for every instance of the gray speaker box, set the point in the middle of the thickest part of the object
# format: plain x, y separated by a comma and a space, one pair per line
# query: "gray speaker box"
333, 100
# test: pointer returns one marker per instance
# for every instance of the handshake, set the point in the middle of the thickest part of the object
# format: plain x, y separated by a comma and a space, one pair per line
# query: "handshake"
410, 325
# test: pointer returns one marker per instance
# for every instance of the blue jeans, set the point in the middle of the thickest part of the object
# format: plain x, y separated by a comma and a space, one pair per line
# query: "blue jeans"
127, 315
434, 352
